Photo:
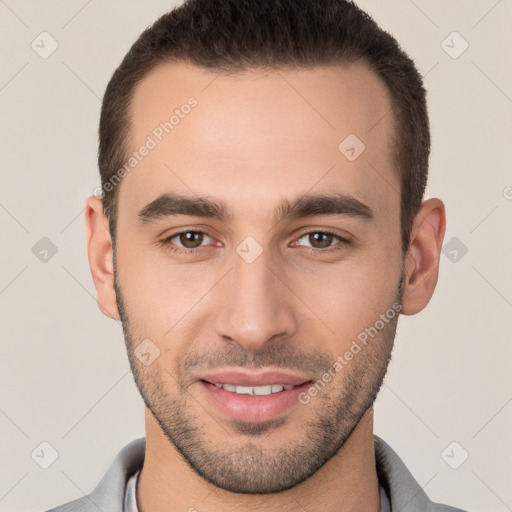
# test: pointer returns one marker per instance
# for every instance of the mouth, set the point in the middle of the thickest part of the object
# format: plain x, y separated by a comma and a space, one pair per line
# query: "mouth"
253, 402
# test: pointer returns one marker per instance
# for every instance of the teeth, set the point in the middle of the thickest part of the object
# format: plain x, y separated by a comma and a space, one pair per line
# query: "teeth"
255, 390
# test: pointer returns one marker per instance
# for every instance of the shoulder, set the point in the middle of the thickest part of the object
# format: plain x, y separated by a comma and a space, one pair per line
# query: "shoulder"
108, 495
405, 493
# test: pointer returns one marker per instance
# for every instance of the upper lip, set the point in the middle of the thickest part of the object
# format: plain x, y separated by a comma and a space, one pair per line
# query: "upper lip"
261, 378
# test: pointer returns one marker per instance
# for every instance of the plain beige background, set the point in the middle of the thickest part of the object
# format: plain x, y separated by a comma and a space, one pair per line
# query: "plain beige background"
65, 378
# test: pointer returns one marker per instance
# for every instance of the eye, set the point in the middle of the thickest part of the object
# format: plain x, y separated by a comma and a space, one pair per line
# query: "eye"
323, 240
186, 241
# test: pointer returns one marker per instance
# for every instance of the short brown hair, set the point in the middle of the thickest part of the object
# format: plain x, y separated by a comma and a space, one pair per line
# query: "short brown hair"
237, 35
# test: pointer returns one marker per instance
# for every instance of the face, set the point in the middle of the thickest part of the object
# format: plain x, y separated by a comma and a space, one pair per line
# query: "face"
279, 254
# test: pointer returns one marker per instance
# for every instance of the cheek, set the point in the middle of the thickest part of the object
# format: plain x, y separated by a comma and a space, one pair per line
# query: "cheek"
145, 289
346, 299
165, 302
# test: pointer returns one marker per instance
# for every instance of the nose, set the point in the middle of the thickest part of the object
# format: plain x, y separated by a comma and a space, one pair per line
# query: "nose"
256, 305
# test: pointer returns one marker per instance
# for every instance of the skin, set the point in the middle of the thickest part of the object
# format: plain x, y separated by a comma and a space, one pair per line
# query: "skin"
253, 140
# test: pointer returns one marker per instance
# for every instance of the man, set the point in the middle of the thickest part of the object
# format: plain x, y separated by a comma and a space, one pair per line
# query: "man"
260, 228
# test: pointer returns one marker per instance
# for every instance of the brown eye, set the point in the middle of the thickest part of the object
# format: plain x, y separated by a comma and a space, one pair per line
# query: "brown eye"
187, 241
190, 239
320, 240
323, 241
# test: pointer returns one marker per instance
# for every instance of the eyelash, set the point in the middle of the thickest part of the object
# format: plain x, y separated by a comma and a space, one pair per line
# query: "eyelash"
172, 247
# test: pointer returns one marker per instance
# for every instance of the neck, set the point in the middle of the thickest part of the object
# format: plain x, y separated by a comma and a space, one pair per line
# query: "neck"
348, 481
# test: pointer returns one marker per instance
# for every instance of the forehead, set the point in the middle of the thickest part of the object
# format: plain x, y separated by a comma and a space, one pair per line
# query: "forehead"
262, 135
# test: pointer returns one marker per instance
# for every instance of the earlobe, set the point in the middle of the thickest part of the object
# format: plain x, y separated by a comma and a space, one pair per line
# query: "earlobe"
422, 259
99, 251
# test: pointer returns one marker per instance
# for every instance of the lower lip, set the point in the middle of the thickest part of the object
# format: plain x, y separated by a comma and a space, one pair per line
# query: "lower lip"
252, 408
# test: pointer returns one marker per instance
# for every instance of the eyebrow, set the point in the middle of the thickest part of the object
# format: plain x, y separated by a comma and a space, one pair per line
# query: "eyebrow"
170, 204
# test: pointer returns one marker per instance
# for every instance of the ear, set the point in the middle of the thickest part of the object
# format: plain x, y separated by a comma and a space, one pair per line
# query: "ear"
100, 252
422, 259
